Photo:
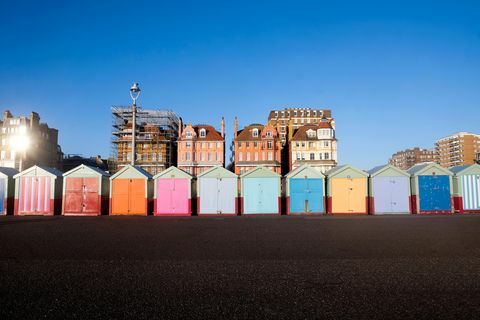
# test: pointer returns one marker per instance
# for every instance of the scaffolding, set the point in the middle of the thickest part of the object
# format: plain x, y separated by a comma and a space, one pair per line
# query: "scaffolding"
156, 132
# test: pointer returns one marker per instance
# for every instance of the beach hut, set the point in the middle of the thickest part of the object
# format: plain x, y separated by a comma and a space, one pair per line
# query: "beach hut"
217, 192
172, 193
389, 190
38, 191
431, 187
305, 191
131, 191
260, 192
7, 190
466, 188
85, 191
347, 190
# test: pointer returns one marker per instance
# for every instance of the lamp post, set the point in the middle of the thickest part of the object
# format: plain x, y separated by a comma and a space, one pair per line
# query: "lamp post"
134, 93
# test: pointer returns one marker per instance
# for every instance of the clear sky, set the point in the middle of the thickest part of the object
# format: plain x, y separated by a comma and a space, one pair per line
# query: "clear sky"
396, 74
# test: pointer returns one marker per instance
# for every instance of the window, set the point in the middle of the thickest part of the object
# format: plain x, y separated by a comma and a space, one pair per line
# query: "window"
187, 156
247, 144
239, 144
202, 156
255, 156
2, 156
312, 156
204, 145
248, 156
154, 157
303, 156
160, 157
270, 156
203, 133
269, 134
327, 156
210, 145
269, 144
219, 145
188, 134
297, 144
188, 144
303, 144
209, 156
311, 145
255, 144
255, 132
326, 143
298, 156
240, 156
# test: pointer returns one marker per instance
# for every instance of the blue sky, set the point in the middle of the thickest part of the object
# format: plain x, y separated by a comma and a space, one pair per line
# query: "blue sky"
396, 74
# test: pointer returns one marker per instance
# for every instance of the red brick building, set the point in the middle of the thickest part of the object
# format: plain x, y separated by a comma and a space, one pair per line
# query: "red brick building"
255, 145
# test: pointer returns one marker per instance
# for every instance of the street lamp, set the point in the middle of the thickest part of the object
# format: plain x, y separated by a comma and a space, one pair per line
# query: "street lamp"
134, 93
20, 143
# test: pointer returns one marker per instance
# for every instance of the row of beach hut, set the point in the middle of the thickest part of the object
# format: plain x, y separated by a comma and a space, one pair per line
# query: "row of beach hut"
425, 188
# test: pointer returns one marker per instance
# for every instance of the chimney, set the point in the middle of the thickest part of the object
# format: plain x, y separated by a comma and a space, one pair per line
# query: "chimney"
235, 127
180, 127
223, 127
6, 114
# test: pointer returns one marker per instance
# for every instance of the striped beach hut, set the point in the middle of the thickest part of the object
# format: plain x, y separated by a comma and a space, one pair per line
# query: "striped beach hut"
347, 191
466, 188
172, 193
38, 191
305, 191
7, 190
261, 192
389, 190
217, 192
431, 186
131, 191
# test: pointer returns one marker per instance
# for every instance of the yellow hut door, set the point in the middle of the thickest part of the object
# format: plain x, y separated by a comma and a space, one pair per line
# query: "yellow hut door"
349, 195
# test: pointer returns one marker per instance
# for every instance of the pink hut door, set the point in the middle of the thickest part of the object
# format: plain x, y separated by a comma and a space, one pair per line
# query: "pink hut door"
34, 195
172, 196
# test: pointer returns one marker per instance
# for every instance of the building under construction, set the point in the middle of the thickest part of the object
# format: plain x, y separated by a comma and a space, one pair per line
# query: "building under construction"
156, 136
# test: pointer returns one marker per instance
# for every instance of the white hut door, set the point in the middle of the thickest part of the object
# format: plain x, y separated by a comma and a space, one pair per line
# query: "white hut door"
226, 195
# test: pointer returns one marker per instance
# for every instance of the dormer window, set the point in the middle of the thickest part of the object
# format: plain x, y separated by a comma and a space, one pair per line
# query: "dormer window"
188, 134
203, 133
311, 133
255, 133
269, 134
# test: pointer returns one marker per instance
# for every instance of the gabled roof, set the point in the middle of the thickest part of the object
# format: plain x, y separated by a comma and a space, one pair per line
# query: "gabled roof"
246, 135
211, 134
301, 133
305, 170
420, 168
130, 167
260, 171
9, 172
92, 169
466, 169
172, 171
49, 171
338, 169
379, 169
217, 171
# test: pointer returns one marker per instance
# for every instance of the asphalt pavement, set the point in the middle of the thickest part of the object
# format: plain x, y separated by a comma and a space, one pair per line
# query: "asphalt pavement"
382, 267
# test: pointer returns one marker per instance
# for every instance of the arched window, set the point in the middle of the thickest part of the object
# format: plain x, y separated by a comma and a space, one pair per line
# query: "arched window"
203, 133
255, 132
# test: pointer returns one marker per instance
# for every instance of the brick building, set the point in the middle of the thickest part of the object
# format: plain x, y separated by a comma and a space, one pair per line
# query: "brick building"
458, 149
315, 145
200, 147
25, 142
288, 120
255, 145
406, 159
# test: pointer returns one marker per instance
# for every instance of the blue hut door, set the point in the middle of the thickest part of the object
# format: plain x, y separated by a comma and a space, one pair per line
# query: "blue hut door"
261, 195
306, 195
434, 193
471, 192
2, 196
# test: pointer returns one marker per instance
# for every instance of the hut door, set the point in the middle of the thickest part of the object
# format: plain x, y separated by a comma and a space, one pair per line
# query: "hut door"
391, 194
73, 195
226, 195
2, 197
34, 195
90, 199
471, 192
137, 203
129, 196
298, 195
172, 196
434, 193
314, 195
